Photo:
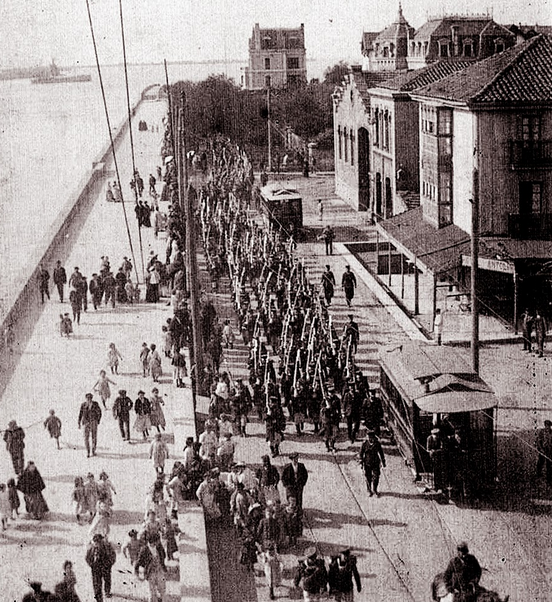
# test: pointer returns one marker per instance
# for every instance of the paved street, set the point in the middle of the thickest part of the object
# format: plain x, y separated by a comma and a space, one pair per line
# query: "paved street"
401, 539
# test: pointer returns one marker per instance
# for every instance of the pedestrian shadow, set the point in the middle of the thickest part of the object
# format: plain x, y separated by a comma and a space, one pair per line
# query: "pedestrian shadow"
127, 517
173, 572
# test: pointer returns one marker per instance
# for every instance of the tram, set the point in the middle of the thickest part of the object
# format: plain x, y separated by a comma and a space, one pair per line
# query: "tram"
282, 205
430, 394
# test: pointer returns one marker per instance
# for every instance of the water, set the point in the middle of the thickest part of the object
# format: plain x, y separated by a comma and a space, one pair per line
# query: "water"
49, 136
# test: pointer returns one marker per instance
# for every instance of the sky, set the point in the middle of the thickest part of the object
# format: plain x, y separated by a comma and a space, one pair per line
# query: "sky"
37, 31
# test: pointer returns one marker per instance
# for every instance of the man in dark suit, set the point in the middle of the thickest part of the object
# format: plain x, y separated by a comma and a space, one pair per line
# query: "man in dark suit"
294, 479
89, 416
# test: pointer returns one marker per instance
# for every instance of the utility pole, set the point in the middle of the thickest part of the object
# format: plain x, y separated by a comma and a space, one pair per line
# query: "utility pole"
189, 197
269, 163
475, 252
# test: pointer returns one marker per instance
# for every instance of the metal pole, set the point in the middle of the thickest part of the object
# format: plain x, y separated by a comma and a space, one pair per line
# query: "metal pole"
269, 164
474, 265
402, 276
515, 301
193, 280
416, 289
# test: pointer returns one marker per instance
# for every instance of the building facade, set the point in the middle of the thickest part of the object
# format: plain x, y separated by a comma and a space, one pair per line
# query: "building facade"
277, 58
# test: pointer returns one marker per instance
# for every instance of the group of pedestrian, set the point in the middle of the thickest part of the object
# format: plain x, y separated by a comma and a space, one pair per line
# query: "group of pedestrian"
533, 327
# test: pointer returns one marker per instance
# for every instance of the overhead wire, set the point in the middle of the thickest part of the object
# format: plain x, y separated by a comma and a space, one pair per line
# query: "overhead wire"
108, 121
130, 134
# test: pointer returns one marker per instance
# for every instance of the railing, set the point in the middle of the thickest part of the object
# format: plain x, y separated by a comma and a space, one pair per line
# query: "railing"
535, 226
530, 153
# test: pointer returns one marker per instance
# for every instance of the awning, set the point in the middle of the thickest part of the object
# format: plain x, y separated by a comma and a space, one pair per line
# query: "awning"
452, 402
436, 250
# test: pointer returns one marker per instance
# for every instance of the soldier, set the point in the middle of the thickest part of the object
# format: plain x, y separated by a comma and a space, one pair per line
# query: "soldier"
463, 573
342, 571
90, 415
294, 479
372, 458
348, 284
351, 335
328, 284
43, 278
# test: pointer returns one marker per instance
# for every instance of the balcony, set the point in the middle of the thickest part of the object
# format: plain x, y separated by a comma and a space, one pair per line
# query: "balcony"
531, 154
536, 226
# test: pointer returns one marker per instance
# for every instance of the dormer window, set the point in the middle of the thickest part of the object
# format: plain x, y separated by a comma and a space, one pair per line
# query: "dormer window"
468, 48
385, 51
412, 48
499, 45
392, 49
444, 47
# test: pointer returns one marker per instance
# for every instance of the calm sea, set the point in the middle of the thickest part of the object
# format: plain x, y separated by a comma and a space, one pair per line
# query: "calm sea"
49, 135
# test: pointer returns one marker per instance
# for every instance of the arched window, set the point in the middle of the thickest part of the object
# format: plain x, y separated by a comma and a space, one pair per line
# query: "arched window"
412, 48
444, 48
377, 128
468, 47
391, 49
339, 141
352, 148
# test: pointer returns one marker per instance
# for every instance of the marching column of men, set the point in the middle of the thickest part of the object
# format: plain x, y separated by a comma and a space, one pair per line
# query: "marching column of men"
281, 314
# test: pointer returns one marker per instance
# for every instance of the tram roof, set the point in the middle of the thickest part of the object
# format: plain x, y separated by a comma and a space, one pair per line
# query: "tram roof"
437, 378
276, 191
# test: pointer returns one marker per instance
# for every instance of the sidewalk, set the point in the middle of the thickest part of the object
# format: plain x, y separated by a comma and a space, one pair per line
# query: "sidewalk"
56, 372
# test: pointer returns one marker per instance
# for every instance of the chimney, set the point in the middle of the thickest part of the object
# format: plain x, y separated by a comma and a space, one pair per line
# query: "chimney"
455, 40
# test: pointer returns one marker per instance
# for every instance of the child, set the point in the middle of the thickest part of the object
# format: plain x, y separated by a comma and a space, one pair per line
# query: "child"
179, 367
65, 325
292, 522
79, 498
13, 497
129, 291
113, 357
170, 538
91, 491
53, 424
225, 452
105, 486
144, 359
4, 506
102, 387
131, 547
248, 555
168, 341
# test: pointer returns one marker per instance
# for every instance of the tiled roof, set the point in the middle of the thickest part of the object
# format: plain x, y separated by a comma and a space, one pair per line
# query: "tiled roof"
407, 82
467, 26
363, 81
520, 74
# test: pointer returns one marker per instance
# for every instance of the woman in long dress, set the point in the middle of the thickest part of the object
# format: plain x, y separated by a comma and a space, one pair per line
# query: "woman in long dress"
30, 483
157, 415
155, 364
142, 407
102, 518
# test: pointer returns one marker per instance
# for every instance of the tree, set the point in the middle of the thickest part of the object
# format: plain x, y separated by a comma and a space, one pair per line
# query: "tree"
334, 75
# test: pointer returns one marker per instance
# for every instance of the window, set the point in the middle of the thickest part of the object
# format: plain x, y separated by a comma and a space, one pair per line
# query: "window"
412, 48
499, 45
530, 127
426, 46
268, 81
293, 62
445, 122
352, 148
385, 51
267, 63
386, 123
391, 49
377, 128
444, 48
468, 48
339, 142
445, 199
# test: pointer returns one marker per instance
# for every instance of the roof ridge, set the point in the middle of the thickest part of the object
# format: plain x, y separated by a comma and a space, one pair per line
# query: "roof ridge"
502, 72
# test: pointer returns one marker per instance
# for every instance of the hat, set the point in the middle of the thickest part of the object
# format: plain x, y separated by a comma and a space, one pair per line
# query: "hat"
122, 392
310, 552
293, 455
240, 464
265, 457
89, 396
462, 547
345, 552
435, 431
141, 393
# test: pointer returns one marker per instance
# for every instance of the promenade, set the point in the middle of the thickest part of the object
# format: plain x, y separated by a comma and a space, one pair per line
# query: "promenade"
401, 539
